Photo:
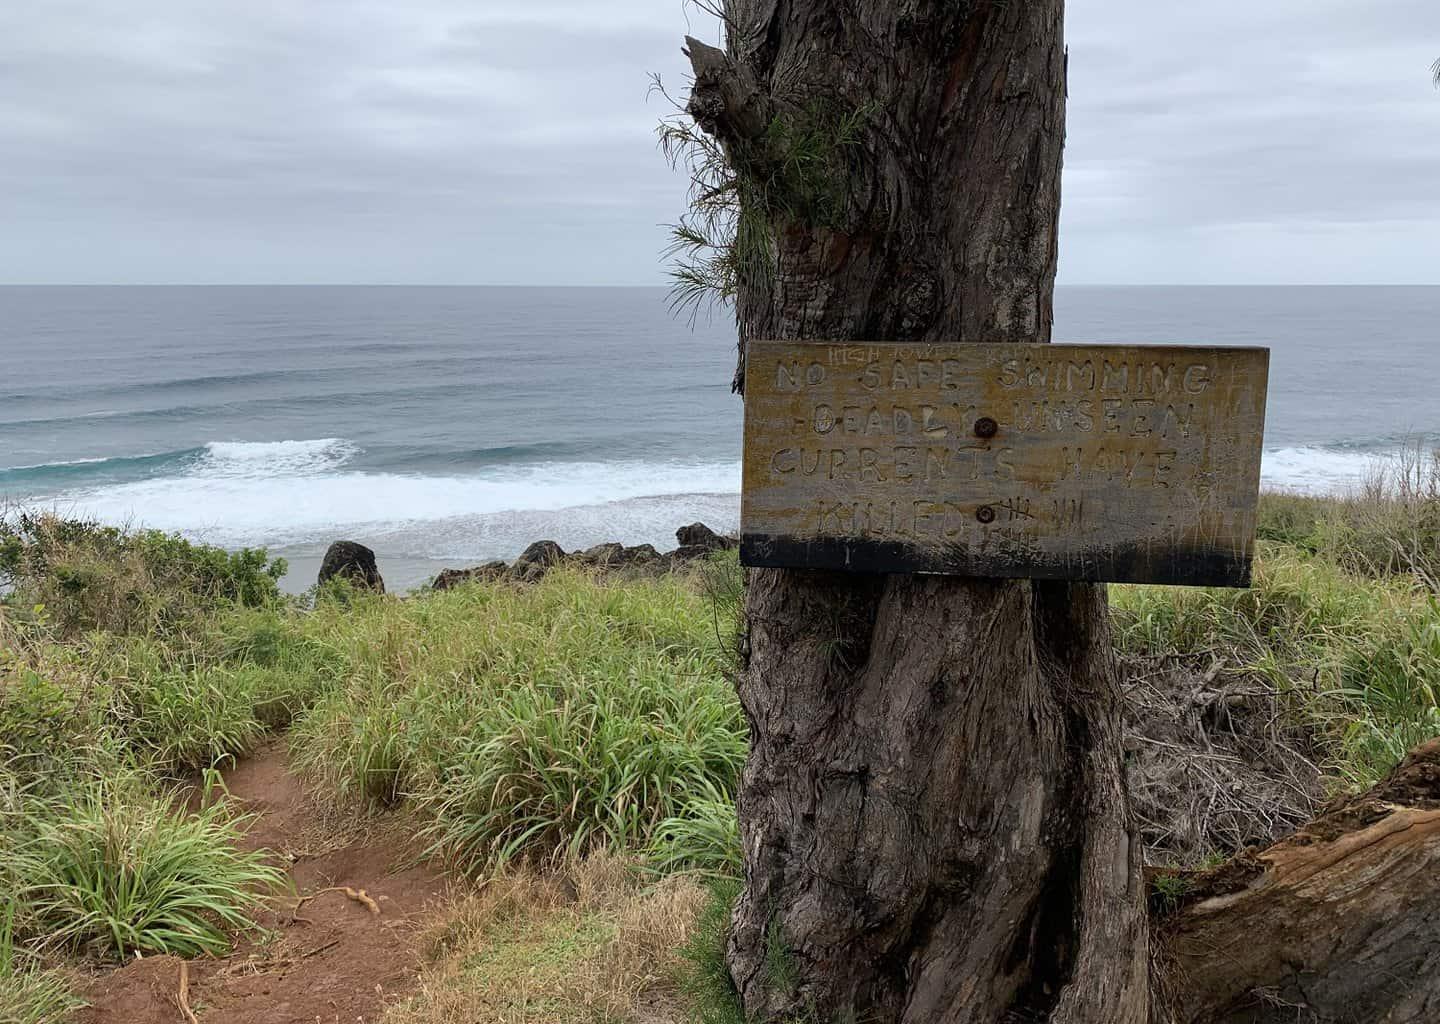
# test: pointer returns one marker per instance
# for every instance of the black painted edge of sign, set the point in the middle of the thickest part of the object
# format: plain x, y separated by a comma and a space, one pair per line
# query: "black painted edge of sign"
1188, 567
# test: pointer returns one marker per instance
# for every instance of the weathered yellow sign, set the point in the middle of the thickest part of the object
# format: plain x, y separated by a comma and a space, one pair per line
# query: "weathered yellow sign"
1078, 462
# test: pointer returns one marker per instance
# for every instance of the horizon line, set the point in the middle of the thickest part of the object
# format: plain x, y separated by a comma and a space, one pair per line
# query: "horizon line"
405, 284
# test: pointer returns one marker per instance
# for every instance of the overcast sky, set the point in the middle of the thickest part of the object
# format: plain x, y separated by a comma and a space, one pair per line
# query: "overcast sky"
512, 141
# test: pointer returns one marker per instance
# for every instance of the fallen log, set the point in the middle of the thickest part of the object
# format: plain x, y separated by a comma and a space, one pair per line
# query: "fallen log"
1338, 923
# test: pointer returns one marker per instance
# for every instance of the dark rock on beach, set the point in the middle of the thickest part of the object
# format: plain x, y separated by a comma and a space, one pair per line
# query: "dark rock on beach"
454, 577
696, 541
618, 556
641, 554
602, 554
698, 535
352, 561
536, 560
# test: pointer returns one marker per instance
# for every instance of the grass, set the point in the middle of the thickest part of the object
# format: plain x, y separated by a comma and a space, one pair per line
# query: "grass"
29, 994
127, 662
1168, 890
704, 838
1357, 658
529, 723
117, 875
1389, 525
593, 942
533, 725
706, 980
529, 731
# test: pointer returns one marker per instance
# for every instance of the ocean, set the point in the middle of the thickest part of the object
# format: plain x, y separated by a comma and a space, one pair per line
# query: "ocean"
447, 426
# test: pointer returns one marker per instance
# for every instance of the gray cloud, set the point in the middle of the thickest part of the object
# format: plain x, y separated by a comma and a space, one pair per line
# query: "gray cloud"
1283, 140
450, 141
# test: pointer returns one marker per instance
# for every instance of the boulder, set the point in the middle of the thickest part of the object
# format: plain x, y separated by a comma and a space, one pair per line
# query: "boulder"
449, 578
536, 560
696, 541
603, 554
690, 552
698, 535
543, 553
349, 560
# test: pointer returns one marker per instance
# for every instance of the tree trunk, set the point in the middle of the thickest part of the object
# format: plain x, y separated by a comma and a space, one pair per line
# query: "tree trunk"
1338, 923
933, 813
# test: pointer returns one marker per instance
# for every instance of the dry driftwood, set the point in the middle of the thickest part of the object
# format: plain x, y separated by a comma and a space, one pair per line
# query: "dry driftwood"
1338, 923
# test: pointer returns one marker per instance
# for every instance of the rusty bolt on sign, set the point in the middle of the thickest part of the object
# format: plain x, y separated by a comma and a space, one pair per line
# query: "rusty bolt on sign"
986, 427
985, 514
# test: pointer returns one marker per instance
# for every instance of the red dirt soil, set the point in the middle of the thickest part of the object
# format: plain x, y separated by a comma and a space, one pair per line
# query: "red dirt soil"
332, 961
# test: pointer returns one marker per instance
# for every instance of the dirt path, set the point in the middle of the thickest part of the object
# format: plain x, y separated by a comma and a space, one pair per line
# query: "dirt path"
332, 962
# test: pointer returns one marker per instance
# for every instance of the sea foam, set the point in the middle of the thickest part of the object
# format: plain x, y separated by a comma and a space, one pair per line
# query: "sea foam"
303, 492
1320, 470
296, 492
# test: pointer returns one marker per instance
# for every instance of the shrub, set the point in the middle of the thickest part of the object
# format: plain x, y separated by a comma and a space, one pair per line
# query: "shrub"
52, 718
100, 577
117, 871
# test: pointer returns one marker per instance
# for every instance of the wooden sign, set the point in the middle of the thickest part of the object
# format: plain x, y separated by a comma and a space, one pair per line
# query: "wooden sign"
1074, 462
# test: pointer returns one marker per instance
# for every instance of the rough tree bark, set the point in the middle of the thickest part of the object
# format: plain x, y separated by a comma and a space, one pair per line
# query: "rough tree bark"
933, 813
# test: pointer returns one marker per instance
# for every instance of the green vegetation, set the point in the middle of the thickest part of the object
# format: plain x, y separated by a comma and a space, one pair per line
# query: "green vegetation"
796, 170
1390, 526
706, 981
99, 577
28, 994
703, 838
1343, 621
124, 665
526, 722
118, 874
1168, 890
520, 726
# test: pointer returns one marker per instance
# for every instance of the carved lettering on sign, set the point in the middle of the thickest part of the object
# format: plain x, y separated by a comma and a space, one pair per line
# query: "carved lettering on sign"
1122, 463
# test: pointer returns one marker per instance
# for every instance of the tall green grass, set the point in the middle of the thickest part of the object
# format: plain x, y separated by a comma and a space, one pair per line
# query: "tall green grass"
127, 661
118, 873
29, 994
529, 722
704, 837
